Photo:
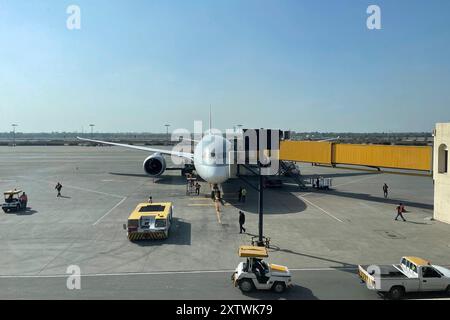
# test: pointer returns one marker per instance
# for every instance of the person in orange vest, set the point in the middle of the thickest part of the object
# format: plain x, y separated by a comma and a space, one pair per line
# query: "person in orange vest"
24, 200
400, 210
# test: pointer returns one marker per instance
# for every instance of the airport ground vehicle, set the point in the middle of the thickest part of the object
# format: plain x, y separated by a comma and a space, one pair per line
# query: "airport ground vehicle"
255, 273
321, 183
12, 201
273, 183
150, 221
413, 274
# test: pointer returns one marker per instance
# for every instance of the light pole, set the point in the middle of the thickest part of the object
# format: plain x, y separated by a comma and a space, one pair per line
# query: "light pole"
167, 132
92, 130
14, 134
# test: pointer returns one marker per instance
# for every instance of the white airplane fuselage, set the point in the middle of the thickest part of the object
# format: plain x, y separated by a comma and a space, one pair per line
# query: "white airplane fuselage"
211, 159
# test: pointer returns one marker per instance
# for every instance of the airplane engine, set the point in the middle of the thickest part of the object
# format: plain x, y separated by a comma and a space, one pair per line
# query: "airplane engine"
155, 165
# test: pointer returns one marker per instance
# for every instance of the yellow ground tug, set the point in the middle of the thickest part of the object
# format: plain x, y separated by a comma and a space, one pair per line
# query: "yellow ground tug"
150, 221
255, 273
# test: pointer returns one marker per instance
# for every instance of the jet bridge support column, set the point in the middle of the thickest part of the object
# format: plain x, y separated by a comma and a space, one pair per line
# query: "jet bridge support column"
260, 189
261, 208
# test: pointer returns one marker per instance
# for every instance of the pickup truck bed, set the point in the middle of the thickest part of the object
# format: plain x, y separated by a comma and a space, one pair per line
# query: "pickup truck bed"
389, 271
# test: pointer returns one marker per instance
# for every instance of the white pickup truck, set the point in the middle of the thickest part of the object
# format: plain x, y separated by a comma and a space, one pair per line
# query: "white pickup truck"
413, 274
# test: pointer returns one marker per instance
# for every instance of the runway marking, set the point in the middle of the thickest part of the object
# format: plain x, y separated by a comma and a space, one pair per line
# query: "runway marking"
111, 210
76, 188
321, 209
160, 273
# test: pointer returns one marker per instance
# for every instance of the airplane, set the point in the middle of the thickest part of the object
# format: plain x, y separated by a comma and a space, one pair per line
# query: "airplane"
210, 165
210, 156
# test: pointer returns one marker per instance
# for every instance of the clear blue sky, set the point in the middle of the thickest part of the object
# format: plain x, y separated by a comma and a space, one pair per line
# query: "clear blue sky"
300, 65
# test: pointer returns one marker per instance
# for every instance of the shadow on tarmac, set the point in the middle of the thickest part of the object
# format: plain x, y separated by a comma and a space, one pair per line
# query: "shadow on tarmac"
343, 266
27, 212
173, 180
368, 197
296, 292
275, 201
338, 175
135, 175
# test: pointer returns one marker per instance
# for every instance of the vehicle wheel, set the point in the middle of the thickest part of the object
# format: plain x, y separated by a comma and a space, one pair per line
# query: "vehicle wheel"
396, 293
279, 287
246, 285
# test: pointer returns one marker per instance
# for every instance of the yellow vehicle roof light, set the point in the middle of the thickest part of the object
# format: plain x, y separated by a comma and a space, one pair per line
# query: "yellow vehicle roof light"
419, 261
157, 210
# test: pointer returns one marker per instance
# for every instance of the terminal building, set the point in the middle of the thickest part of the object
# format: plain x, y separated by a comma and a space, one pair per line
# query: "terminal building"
441, 175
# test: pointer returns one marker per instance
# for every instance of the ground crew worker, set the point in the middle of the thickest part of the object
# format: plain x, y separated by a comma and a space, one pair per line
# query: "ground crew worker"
150, 199
197, 188
385, 190
244, 194
240, 194
24, 200
400, 210
58, 187
217, 205
241, 222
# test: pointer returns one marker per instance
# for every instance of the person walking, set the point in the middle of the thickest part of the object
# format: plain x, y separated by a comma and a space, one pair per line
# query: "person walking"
58, 187
400, 210
150, 200
240, 194
197, 188
241, 222
385, 190
244, 194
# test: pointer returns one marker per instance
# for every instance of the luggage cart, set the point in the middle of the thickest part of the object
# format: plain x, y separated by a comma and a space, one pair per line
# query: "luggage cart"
190, 186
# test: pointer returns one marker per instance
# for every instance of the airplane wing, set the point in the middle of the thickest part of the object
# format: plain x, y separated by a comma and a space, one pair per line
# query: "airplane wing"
185, 155
329, 139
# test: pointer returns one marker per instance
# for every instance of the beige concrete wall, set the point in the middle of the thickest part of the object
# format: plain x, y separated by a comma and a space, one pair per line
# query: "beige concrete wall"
441, 180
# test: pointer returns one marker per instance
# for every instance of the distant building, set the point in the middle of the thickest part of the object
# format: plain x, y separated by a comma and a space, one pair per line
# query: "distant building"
441, 173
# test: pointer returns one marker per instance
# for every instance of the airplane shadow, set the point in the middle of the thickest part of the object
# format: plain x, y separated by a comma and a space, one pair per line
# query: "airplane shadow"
276, 201
174, 180
135, 175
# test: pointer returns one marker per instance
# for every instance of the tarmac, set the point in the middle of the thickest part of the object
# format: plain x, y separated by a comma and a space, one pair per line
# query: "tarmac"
321, 235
